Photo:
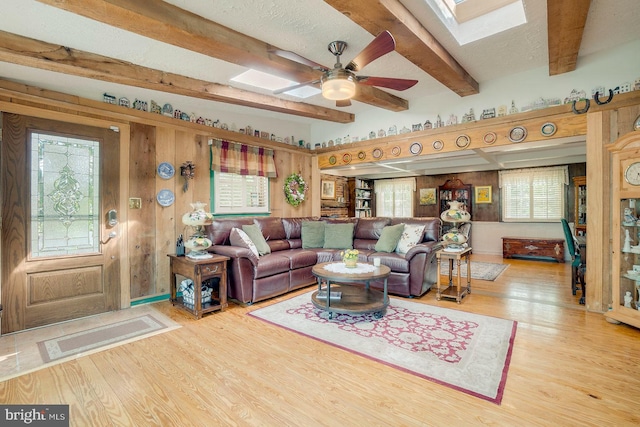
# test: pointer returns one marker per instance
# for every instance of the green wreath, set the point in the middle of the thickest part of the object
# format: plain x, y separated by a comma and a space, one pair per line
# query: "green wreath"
295, 189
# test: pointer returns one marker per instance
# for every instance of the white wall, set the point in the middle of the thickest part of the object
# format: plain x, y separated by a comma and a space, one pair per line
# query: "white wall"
609, 69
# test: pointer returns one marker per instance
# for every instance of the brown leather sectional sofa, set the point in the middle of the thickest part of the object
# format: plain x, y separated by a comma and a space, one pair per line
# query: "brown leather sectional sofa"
288, 266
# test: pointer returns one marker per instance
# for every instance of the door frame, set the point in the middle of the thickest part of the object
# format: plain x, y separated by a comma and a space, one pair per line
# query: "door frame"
124, 130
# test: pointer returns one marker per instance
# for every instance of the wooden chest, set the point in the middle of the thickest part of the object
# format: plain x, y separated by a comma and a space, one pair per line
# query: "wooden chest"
532, 247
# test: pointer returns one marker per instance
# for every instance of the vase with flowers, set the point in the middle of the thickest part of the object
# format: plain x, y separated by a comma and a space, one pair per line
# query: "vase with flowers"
350, 257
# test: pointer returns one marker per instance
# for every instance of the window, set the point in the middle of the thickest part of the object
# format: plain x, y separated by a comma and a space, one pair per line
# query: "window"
394, 197
234, 194
533, 194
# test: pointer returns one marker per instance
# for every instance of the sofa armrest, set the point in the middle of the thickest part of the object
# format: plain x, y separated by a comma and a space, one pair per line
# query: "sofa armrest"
235, 252
423, 266
423, 248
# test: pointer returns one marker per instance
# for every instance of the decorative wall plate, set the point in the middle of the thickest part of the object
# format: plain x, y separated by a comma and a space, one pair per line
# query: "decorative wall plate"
332, 160
517, 134
166, 170
396, 151
165, 197
346, 158
377, 153
438, 145
362, 155
463, 141
490, 138
415, 148
548, 129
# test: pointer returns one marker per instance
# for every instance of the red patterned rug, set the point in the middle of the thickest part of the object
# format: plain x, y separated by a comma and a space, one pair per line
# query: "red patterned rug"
466, 351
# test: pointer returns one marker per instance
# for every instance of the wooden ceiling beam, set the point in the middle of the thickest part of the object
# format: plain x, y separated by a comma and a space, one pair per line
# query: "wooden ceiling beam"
565, 25
413, 41
167, 23
38, 54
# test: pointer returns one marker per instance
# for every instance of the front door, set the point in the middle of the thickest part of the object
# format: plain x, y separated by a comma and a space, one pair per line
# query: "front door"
59, 182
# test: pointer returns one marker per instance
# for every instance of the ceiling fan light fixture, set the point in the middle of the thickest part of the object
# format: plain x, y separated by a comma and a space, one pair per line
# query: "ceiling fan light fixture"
338, 86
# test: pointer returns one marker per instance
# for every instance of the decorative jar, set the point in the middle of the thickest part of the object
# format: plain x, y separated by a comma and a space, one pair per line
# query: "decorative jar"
197, 216
455, 215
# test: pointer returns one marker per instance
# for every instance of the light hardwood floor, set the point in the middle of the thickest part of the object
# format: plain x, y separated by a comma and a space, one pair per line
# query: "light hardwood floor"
568, 367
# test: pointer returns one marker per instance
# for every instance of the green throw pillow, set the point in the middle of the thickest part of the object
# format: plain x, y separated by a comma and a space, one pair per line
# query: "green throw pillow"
338, 236
312, 234
254, 233
389, 238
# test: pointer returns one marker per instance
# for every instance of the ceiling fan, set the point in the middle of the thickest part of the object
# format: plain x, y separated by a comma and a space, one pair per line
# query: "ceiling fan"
339, 83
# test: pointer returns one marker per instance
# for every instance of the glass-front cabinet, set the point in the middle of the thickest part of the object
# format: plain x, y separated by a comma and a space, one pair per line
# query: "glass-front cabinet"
580, 215
625, 280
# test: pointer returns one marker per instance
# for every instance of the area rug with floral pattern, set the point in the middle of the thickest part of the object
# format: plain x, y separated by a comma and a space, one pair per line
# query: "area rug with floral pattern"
465, 351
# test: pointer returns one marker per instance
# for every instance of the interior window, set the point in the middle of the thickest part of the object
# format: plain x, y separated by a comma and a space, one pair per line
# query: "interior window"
536, 194
394, 197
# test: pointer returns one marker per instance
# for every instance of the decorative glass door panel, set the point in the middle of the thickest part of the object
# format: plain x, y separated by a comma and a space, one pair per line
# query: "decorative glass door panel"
59, 180
65, 190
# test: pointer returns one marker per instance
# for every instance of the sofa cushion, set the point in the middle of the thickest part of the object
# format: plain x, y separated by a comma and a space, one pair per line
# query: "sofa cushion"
271, 264
254, 233
432, 226
370, 228
293, 226
312, 234
389, 238
271, 227
411, 236
218, 231
338, 236
238, 237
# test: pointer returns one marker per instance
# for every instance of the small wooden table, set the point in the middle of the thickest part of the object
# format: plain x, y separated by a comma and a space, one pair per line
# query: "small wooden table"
199, 271
458, 292
353, 299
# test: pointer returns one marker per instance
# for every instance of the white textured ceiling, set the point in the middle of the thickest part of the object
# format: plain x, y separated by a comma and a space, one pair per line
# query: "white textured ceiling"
304, 27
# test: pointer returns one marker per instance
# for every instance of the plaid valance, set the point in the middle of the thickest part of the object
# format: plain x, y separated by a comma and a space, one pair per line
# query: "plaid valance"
241, 159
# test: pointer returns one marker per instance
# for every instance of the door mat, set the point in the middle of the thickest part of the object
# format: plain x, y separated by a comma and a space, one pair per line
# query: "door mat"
100, 338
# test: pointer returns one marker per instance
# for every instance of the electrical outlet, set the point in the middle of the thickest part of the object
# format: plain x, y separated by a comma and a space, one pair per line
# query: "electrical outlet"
135, 203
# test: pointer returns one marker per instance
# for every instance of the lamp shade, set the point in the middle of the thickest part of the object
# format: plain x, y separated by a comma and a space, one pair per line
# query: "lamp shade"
338, 86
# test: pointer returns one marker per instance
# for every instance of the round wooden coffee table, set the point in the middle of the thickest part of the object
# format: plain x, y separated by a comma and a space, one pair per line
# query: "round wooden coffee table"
343, 291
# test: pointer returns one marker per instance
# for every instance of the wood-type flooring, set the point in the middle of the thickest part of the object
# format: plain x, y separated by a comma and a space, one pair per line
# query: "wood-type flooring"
569, 367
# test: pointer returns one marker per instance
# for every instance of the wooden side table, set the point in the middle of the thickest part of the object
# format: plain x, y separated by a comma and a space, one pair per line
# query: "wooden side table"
458, 292
199, 271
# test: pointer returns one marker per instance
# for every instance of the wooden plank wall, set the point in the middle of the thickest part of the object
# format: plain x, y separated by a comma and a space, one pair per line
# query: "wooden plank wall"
153, 229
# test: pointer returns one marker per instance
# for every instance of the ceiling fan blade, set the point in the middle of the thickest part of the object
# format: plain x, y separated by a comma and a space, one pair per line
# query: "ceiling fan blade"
381, 45
288, 88
287, 54
389, 83
343, 103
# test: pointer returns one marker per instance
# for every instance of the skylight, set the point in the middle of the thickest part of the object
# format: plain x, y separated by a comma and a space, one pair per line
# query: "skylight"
270, 82
471, 20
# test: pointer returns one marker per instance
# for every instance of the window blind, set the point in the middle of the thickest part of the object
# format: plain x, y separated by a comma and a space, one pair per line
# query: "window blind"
536, 194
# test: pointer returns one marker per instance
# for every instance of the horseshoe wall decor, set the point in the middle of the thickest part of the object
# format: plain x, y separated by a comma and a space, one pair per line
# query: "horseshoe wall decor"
596, 97
584, 110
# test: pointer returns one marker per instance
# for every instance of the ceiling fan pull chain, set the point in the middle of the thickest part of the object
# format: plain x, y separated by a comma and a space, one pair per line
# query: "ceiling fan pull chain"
584, 110
596, 98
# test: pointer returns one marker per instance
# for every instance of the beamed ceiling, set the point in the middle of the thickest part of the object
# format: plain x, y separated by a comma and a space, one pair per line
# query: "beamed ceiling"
190, 49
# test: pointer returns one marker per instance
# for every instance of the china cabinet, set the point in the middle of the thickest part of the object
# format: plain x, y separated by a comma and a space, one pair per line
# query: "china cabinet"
580, 213
625, 281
